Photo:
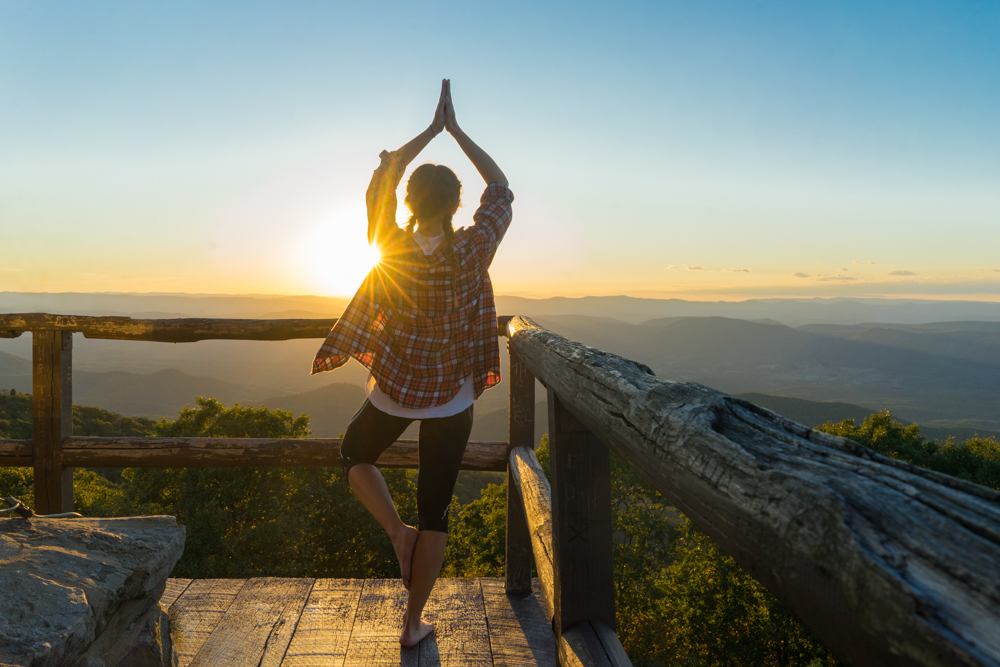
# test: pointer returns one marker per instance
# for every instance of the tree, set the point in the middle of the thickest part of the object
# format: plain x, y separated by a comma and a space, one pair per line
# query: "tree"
976, 460
244, 522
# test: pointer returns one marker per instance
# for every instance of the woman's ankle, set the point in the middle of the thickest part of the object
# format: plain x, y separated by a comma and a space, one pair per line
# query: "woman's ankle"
398, 531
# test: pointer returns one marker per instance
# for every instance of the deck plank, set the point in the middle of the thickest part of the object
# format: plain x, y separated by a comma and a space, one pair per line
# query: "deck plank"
172, 591
194, 615
325, 625
375, 637
258, 624
519, 633
461, 637
284, 629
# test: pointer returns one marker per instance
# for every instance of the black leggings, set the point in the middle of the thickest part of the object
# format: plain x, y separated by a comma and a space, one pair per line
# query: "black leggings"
441, 446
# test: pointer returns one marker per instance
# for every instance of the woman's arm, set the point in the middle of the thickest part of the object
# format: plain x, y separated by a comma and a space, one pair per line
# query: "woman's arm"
484, 164
409, 151
381, 195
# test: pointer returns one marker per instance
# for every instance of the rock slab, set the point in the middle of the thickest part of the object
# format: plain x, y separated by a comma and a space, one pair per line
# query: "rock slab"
83, 591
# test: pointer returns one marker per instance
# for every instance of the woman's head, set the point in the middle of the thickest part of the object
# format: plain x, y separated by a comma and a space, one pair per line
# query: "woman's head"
433, 193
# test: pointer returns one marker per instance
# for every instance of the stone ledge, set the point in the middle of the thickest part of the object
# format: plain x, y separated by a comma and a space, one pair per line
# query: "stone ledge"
81, 589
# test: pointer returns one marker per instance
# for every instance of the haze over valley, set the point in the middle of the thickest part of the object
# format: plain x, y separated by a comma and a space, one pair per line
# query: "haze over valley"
935, 363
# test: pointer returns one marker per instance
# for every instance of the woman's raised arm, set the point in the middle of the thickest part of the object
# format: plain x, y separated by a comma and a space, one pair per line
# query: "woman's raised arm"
484, 164
381, 195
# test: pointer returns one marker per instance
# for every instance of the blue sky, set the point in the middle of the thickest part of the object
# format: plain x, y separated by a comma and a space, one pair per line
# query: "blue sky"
224, 147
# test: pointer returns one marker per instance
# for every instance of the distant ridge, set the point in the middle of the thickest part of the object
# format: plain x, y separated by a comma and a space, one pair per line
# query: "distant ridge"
792, 312
816, 413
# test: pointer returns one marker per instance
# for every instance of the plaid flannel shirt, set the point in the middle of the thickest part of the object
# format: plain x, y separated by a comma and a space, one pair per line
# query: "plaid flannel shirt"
423, 323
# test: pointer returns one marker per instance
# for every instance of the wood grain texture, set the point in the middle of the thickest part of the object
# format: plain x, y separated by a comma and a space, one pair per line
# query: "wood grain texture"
257, 626
324, 630
138, 452
15, 453
591, 644
375, 638
611, 644
173, 590
520, 633
298, 592
520, 433
886, 563
52, 409
517, 537
194, 615
461, 637
583, 568
183, 330
536, 496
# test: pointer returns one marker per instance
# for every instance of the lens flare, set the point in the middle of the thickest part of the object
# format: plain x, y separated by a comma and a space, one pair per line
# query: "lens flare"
335, 255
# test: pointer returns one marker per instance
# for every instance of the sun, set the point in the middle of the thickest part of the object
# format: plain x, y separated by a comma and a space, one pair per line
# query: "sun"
335, 256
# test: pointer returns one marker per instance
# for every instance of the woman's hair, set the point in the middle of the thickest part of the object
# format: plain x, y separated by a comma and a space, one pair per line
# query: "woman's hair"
433, 190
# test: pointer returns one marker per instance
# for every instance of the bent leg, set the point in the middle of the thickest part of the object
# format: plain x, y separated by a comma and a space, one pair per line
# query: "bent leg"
442, 445
372, 432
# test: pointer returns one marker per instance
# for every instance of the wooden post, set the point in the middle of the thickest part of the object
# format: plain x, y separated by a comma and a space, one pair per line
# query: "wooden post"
52, 405
580, 470
520, 433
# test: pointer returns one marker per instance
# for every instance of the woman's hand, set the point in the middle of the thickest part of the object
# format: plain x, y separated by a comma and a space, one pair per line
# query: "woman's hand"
449, 109
438, 123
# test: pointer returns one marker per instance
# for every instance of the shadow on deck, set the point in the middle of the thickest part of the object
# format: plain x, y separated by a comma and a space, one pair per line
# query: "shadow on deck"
334, 622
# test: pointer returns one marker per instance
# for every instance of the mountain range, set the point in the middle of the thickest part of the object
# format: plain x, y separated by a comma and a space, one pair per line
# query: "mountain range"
935, 363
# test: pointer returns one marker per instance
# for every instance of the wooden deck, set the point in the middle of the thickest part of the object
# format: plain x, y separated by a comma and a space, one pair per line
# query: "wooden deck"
345, 622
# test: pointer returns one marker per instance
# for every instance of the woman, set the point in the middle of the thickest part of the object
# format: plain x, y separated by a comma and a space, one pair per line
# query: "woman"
424, 324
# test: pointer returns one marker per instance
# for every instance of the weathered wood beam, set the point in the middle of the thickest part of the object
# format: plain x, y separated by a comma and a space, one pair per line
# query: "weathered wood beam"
520, 433
135, 452
183, 330
52, 419
15, 453
888, 564
536, 497
580, 470
591, 644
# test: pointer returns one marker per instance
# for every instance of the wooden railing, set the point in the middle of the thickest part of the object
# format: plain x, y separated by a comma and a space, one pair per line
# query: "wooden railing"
886, 563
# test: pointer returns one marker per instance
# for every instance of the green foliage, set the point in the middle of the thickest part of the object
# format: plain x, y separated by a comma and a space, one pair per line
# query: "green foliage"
15, 416
98, 422
244, 522
679, 599
477, 536
16, 420
976, 460
644, 529
94, 494
18, 483
714, 613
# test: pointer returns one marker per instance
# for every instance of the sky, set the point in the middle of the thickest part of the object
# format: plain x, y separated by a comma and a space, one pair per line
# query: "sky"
701, 150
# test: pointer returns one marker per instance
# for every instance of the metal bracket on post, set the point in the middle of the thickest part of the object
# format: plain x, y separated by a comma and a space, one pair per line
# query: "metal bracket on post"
52, 407
520, 433
581, 522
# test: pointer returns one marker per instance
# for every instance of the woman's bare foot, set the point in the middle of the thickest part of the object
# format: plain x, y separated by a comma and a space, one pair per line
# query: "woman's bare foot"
412, 634
403, 543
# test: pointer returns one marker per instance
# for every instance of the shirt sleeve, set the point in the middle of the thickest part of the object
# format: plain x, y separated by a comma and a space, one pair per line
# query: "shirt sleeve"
381, 200
491, 221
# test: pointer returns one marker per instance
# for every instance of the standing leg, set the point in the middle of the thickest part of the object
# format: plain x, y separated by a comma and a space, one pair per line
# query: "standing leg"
372, 432
442, 444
